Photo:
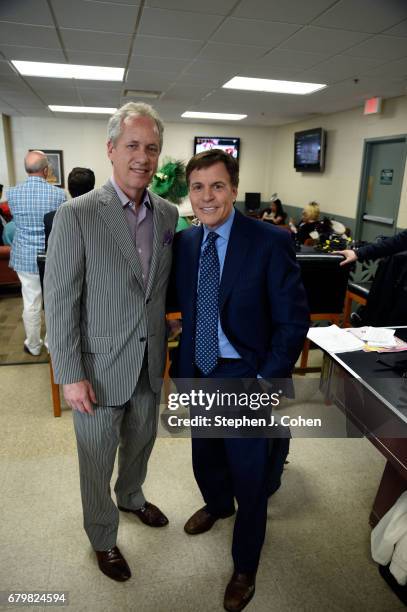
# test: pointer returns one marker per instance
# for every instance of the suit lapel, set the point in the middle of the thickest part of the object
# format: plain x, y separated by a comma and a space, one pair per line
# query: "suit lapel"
191, 264
113, 215
236, 253
158, 237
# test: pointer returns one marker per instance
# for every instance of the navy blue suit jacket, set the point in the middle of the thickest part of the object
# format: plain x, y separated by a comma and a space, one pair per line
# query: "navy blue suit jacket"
262, 304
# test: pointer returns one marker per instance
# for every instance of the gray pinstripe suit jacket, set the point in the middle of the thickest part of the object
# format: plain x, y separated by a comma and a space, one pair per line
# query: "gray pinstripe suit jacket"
99, 315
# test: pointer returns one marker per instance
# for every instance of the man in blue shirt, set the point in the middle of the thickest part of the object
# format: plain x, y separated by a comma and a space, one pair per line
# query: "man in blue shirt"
28, 202
244, 316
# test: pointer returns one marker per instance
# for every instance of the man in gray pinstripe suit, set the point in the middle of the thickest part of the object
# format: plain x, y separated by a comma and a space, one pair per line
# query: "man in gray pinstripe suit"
108, 263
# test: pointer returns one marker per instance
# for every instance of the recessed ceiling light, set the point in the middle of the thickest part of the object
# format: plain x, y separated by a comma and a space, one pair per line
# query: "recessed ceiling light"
272, 86
68, 71
82, 109
224, 116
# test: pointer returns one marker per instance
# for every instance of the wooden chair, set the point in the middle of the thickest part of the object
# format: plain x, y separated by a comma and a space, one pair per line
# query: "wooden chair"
356, 292
172, 343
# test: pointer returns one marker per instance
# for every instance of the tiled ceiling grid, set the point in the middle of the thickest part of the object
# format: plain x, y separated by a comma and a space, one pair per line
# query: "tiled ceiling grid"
187, 49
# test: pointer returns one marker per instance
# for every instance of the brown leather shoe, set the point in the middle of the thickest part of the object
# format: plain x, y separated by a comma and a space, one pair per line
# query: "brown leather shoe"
239, 591
149, 514
201, 521
113, 564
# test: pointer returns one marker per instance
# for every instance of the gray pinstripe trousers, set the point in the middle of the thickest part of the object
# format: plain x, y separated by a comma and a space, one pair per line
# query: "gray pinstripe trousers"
133, 428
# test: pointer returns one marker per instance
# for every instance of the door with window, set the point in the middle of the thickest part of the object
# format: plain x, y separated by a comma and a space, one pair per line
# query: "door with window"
382, 179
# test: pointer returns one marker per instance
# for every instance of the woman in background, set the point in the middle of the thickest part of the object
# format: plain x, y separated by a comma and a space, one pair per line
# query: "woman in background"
275, 213
309, 222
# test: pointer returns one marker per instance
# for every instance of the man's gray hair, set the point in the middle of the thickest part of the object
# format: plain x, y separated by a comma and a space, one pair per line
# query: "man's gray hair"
132, 109
35, 161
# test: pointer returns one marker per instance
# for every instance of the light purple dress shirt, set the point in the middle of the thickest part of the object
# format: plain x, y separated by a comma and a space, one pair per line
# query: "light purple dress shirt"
140, 222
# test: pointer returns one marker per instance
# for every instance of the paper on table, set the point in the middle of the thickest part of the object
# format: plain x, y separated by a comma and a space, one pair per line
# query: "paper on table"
375, 336
334, 339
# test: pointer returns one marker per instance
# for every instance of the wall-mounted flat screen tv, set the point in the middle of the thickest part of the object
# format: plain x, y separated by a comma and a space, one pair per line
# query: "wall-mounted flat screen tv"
309, 150
230, 145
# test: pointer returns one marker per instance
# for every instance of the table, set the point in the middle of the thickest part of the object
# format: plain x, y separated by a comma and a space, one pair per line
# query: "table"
375, 402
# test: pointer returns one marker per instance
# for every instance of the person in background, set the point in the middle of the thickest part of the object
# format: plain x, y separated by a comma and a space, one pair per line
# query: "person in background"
28, 202
80, 181
385, 247
309, 222
275, 213
7, 226
106, 277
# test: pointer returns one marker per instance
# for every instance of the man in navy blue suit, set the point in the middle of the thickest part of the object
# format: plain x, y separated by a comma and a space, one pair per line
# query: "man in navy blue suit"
244, 316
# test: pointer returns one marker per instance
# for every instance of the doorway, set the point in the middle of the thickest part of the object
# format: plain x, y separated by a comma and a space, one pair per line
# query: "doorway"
383, 168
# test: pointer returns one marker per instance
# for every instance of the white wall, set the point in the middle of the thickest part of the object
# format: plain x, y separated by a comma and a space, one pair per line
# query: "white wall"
83, 143
266, 162
337, 188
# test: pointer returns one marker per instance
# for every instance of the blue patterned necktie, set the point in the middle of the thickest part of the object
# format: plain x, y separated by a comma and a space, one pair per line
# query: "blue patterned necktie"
206, 340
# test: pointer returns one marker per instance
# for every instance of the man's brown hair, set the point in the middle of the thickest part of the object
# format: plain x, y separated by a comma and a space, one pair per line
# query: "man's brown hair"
205, 159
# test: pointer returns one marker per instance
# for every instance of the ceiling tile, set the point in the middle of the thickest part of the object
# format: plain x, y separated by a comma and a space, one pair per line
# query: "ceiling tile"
141, 79
13, 83
209, 6
382, 47
285, 58
203, 79
6, 69
323, 40
82, 40
34, 12
216, 69
89, 58
99, 97
155, 46
113, 85
260, 70
46, 84
158, 64
339, 68
185, 93
32, 54
32, 36
157, 22
67, 98
290, 11
253, 32
127, 2
230, 52
6, 109
392, 69
398, 30
97, 17
364, 15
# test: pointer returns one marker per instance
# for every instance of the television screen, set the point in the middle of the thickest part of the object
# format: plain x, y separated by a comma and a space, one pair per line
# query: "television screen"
309, 150
230, 145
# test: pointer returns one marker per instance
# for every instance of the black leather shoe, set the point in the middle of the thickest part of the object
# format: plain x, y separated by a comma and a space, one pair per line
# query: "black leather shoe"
239, 591
149, 514
202, 521
112, 563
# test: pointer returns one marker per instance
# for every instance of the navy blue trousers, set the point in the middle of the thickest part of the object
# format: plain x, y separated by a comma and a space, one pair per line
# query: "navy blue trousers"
236, 468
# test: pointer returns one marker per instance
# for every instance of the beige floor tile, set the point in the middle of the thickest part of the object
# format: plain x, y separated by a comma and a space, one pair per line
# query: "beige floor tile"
316, 554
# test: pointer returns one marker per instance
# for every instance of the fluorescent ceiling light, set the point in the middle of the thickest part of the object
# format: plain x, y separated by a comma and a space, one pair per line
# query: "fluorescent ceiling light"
82, 109
269, 85
68, 71
224, 116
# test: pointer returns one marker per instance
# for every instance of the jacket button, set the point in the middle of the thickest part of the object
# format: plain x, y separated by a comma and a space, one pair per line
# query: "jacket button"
143, 339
